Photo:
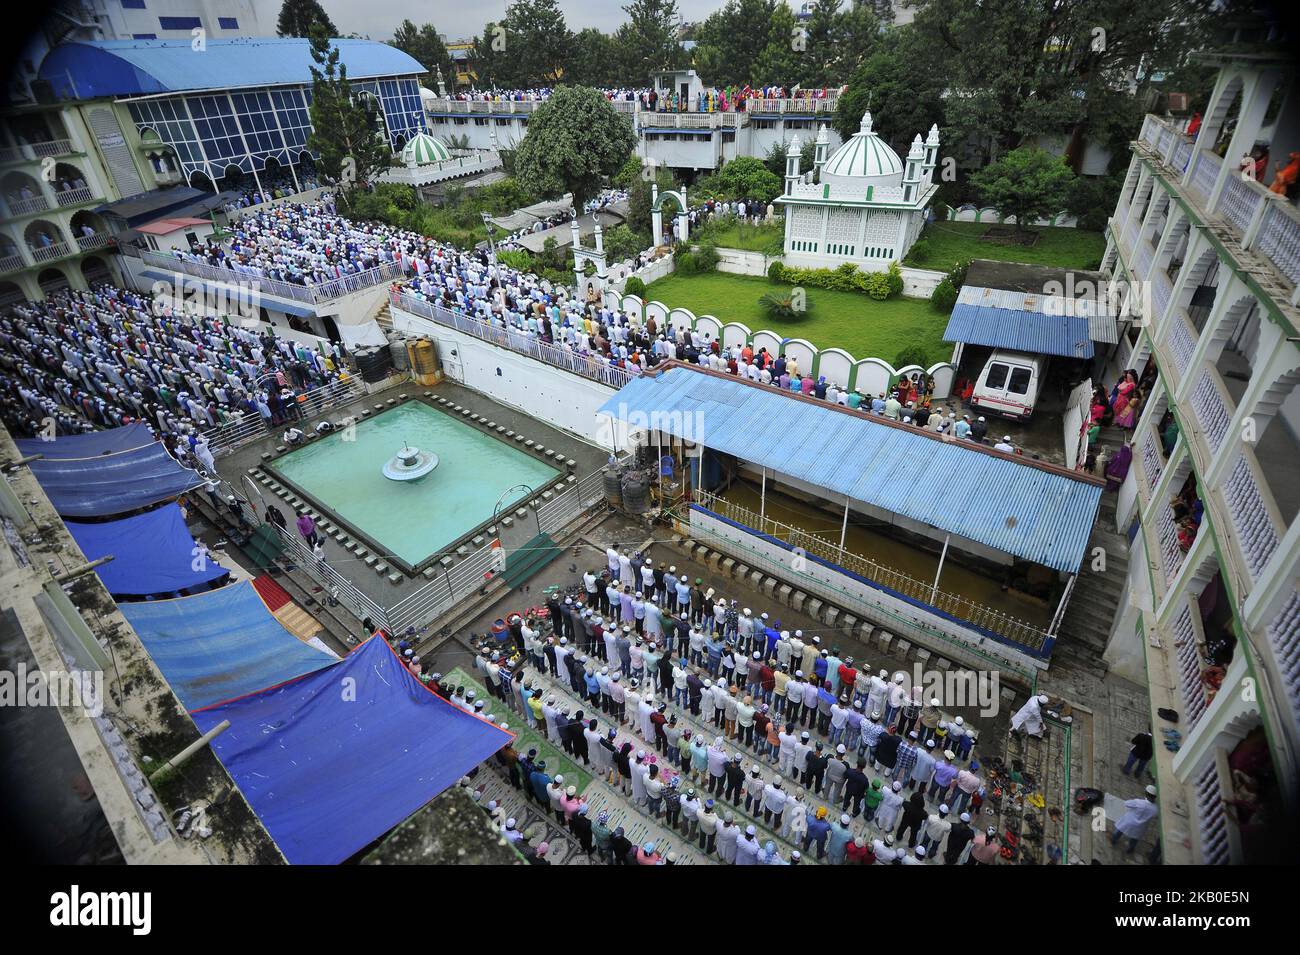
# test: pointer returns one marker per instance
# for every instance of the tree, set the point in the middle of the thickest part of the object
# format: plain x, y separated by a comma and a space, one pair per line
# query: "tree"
784, 57
1028, 183
594, 60
344, 130
746, 177
297, 17
425, 45
647, 41
530, 47
732, 39
574, 140
900, 87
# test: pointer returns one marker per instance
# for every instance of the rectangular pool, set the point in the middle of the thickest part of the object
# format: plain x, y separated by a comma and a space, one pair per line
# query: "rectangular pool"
413, 520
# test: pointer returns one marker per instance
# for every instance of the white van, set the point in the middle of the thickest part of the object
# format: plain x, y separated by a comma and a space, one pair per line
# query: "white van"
1008, 384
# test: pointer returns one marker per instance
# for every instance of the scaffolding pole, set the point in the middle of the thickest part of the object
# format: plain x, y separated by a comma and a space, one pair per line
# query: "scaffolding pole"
934, 591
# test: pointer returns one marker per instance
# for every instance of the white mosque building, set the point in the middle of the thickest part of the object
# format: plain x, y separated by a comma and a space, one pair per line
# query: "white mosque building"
863, 205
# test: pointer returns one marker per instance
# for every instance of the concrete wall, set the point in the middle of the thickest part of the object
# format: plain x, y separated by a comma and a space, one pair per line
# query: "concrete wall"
560, 399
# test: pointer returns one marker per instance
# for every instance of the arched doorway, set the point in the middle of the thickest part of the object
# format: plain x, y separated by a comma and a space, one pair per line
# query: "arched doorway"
11, 294
22, 194
70, 185
96, 271
46, 241
89, 230
52, 280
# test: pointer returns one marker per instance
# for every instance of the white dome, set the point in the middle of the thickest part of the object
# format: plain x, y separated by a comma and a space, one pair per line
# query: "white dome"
864, 160
424, 149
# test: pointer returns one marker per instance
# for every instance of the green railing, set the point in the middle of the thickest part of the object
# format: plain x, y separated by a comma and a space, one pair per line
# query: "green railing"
1066, 805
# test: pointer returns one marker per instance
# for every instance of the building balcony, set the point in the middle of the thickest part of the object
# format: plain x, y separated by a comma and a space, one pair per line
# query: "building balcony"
1257, 526
48, 253
90, 243
74, 197
27, 207
1245, 211
1151, 456
11, 263
34, 151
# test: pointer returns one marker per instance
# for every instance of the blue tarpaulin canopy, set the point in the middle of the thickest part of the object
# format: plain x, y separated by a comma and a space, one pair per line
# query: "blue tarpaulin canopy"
112, 483
153, 553
91, 445
334, 760
220, 645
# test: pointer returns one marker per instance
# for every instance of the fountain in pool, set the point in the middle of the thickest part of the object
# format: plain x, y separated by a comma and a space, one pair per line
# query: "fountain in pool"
409, 464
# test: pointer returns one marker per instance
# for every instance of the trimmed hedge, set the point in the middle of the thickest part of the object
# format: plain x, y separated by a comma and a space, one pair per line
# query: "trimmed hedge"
846, 278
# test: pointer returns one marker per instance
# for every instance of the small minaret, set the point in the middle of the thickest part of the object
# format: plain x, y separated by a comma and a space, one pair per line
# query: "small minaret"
931, 153
820, 148
442, 86
912, 175
792, 165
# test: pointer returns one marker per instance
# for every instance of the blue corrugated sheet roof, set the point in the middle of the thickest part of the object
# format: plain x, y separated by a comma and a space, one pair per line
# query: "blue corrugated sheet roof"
1036, 514
91, 69
1021, 322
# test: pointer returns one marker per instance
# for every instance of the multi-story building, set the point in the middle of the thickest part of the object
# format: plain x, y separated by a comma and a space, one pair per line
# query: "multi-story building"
120, 118
1209, 259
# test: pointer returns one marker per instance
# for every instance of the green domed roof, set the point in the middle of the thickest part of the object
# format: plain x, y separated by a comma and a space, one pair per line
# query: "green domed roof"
423, 149
864, 156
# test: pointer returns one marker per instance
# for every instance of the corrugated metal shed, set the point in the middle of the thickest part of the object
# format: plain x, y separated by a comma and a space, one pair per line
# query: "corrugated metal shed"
93, 68
1036, 514
1030, 322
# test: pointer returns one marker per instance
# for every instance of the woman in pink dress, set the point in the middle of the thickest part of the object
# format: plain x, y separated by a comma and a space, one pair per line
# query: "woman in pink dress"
1127, 419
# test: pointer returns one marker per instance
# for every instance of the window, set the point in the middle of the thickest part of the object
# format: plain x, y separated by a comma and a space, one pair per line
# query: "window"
133, 5
144, 36
1019, 383
228, 23
997, 376
179, 23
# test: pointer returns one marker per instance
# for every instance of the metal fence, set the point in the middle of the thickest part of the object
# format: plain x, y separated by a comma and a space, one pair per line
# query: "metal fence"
442, 593
1018, 631
588, 366
566, 508
250, 426
335, 584
307, 294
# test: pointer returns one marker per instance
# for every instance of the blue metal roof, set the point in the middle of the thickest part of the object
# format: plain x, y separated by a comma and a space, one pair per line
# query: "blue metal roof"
91, 69
1031, 324
1018, 508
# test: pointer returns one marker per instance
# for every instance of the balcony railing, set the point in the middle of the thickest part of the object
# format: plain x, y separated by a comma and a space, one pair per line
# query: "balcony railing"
1279, 238
1284, 638
33, 151
1252, 513
11, 263
309, 294
1211, 407
48, 253
72, 197
1205, 171
1144, 254
1211, 817
1161, 291
1190, 684
89, 243
1153, 462
25, 207
1171, 552
1181, 342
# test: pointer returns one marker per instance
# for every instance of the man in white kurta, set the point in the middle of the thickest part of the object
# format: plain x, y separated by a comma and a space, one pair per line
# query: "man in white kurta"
1030, 716
1133, 823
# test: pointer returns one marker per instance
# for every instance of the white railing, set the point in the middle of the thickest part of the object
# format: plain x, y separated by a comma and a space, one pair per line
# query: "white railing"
1188, 659
72, 197
48, 253
1211, 409
1181, 343
1144, 254
443, 592
89, 243
25, 207
1182, 153
1239, 202
1284, 637
1161, 291
1205, 170
1251, 514
1170, 550
588, 366
577, 500
1134, 227
335, 584
798, 104
309, 294
249, 426
808, 542
1211, 817
1279, 238
12, 263
54, 147
1152, 461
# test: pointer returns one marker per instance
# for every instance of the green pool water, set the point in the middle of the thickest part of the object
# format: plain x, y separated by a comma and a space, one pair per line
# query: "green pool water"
413, 519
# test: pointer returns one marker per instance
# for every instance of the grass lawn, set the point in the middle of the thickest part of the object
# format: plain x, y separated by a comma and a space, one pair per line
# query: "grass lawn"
953, 242
857, 323
735, 235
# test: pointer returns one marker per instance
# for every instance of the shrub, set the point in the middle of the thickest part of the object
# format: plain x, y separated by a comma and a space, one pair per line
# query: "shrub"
775, 271
911, 355
706, 257
895, 278
877, 286
958, 274
519, 259
686, 263
944, 296
789, 304
920, 251
635, 286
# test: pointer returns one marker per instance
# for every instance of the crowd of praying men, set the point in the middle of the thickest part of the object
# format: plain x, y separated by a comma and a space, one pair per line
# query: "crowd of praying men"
705, 716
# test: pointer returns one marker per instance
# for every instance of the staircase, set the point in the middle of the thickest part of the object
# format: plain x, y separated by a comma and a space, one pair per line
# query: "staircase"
1093, 604
524, 563
384, 316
